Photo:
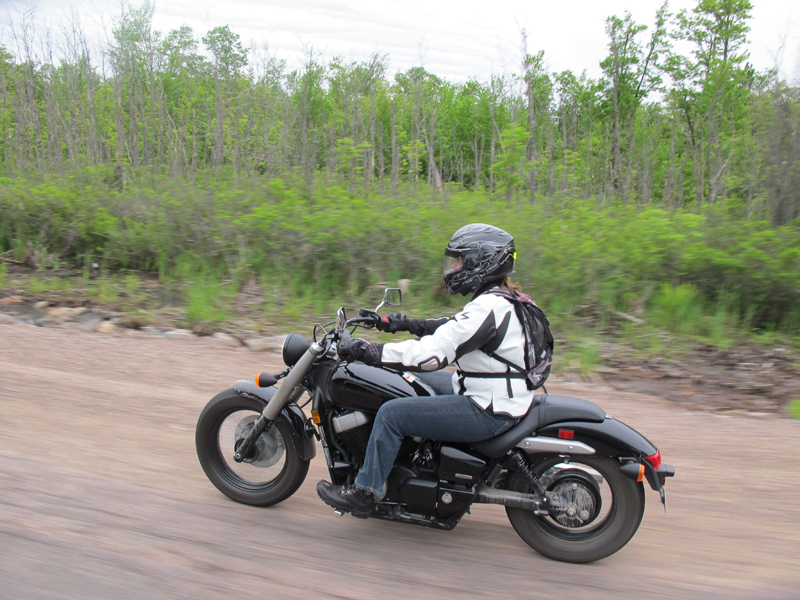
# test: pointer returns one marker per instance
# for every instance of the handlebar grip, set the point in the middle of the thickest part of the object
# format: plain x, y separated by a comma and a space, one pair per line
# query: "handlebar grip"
265, 380
372, 317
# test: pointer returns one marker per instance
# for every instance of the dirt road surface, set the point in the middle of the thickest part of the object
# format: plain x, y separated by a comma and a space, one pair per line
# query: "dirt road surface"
101, 496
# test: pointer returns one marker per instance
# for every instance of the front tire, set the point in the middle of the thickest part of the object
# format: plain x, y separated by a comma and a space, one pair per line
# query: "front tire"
274, 470
613, 507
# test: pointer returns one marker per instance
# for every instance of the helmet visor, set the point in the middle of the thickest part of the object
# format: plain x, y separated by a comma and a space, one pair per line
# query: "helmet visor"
453, 262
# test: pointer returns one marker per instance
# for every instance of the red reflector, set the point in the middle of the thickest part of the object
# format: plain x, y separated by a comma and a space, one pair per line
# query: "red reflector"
566, 434
654, 460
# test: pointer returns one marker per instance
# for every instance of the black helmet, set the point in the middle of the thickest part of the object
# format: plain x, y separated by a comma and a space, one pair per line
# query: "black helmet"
486, 254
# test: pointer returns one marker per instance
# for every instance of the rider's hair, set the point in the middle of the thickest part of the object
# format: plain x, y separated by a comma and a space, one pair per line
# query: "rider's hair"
509, 285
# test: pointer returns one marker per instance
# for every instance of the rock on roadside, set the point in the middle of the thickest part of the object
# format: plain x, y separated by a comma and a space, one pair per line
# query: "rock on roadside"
265, 344
224, 338
65, 314
7, 319
179, 333
106, 327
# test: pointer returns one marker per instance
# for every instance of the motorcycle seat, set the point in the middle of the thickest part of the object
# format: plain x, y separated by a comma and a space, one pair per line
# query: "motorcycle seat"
545, 410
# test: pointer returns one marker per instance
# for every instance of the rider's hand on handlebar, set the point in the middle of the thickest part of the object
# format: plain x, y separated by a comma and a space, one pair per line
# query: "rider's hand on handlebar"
370, 314
350, 349
393, 323
347, 348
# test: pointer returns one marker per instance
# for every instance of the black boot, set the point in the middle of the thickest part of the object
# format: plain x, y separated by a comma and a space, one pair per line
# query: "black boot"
347, 497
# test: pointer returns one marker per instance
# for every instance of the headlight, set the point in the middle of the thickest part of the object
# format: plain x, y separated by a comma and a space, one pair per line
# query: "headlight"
294, 346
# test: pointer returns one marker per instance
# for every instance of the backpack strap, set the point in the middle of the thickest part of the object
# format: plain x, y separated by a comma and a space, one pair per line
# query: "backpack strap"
522, 372
508, 376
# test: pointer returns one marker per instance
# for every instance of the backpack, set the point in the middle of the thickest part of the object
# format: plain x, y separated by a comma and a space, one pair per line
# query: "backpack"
539, 343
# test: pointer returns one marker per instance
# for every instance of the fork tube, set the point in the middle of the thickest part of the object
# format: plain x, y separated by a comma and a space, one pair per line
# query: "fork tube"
282, 397
293, 379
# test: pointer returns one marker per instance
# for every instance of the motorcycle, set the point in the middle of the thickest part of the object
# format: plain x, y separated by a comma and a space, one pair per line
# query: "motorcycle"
571, 478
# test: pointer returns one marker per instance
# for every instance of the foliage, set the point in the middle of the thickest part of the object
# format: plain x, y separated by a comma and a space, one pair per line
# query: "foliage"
205, 305
794, 409
681, 269
665, 189
677, 118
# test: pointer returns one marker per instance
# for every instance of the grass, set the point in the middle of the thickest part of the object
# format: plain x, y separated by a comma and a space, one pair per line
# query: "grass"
206, 303
49, 284
793, 407
3, 273
583, 355
105, 289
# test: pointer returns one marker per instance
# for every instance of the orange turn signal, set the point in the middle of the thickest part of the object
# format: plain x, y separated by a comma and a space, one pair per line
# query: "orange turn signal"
641, 473
317, 420
257, 382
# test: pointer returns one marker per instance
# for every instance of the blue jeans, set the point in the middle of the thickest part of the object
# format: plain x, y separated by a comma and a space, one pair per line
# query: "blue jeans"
445, 417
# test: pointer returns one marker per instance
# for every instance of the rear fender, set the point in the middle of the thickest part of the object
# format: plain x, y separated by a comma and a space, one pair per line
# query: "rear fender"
609, 438
291, 414
614, 439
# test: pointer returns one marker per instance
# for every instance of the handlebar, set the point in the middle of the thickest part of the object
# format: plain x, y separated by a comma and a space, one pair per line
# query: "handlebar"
359, 320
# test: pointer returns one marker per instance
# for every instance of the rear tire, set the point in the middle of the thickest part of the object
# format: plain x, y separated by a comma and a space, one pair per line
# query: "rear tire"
611, 527
276, 472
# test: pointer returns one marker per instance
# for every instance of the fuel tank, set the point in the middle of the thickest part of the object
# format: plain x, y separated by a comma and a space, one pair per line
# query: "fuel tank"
357, 386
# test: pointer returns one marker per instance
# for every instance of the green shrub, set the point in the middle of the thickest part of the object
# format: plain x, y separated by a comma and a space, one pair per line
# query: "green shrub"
697, 274
794, 409
205, 303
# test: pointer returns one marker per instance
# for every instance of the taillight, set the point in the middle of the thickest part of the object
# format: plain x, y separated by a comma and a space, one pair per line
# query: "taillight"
654, 460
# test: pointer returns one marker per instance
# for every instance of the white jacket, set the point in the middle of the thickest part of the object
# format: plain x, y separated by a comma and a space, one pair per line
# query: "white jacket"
489, 322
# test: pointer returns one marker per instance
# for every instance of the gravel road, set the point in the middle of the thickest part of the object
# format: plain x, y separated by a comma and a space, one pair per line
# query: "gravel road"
101, 496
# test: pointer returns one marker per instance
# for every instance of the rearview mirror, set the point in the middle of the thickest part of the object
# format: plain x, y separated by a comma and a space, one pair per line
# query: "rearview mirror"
391, 297
341, 318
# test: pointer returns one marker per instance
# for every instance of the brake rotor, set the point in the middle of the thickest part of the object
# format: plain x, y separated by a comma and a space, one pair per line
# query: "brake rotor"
268, 449
576, 500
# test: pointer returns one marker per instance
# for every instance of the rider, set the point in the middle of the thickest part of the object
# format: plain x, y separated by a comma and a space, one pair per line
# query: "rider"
475, 403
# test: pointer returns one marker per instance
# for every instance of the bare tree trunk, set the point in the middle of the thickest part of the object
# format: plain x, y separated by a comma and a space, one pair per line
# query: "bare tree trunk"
491, 169
395, 154
550, 174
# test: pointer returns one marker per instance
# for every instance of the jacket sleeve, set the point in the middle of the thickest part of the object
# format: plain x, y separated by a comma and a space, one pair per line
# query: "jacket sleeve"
469, 330
423, 327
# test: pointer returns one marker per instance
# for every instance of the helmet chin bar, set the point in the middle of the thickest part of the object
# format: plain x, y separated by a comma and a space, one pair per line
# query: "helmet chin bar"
462, 285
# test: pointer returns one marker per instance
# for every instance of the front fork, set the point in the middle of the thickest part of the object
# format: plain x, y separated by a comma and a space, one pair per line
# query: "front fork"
281, 398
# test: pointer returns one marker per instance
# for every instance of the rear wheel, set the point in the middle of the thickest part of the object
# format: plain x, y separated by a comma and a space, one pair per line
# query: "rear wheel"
271, 472
595, 510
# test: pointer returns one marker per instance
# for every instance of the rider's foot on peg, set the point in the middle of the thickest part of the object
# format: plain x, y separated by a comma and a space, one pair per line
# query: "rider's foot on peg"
347, 497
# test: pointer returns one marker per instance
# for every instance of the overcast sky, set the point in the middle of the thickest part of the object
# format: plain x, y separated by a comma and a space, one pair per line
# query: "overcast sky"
454, 40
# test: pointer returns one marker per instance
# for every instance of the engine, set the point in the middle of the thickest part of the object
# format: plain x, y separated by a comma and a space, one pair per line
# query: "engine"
352, 429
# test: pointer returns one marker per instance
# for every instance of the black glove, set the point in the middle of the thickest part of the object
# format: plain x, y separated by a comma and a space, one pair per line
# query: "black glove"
370, 314
393, 323
350, 350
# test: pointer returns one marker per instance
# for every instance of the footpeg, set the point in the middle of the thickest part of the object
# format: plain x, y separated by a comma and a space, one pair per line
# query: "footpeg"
338, 513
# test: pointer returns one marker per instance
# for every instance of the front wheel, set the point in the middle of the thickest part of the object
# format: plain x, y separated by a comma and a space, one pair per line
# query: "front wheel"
272, 472
595, 509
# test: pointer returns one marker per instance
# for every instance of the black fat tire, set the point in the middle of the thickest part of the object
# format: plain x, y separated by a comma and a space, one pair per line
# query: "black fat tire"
618, 527
226, 481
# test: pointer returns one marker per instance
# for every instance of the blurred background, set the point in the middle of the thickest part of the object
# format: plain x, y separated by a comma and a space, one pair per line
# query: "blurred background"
181, 179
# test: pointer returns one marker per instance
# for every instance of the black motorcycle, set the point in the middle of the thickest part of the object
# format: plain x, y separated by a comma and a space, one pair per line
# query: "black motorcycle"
570, 476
